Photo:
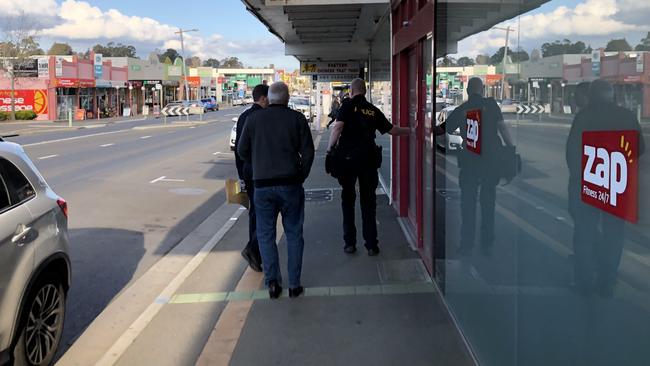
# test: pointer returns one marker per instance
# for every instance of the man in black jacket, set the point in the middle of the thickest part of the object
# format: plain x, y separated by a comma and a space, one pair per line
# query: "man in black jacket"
252, 250
277, 142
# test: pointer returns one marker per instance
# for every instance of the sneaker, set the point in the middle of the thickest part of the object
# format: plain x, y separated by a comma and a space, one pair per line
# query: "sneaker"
373, 251
350, 249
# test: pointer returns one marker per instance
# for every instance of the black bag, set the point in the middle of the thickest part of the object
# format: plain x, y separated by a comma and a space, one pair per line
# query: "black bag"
509, 163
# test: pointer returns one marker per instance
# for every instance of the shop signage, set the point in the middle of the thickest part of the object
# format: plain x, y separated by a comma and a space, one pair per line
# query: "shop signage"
159, 86
151, 82
335, 77
193, 81
640, 62
99, 66
25, 100
632, 79
136, 83
58, 67
474, 131
610, 172
329, 68
86, 83
26, 69
67, 83
169, 83
136, 68
101, 83
595, 63
43, 67
174, 70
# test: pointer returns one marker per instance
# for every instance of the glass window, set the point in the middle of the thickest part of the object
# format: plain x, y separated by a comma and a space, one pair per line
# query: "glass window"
4, 195
18, 186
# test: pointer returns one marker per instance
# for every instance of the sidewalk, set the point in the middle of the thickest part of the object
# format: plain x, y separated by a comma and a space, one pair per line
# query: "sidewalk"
357, 310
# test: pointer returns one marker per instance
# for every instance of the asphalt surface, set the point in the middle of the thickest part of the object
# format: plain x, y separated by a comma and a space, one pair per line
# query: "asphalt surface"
133, 194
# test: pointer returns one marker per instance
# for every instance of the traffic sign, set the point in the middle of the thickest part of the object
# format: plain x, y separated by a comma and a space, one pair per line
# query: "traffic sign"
175, 111
530, 108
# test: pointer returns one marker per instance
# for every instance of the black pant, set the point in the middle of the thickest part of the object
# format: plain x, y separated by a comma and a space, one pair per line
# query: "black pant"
252, 246
368, 181
470, 183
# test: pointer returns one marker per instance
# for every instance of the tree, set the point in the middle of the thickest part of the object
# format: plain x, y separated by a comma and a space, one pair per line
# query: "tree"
212, 62
535, 55
482, 59
447, 61
514, 56
60, 49
564, 47
193, 61
231, 63
171, 53
644, 45
16, 50
115, 50
465, 61
617, 45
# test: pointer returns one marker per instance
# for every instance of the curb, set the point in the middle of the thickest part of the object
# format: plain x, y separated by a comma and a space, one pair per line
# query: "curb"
170, 125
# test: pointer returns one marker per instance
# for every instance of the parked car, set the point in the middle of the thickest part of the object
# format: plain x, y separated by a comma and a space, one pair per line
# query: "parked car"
248, 99
237, 101
449, 141
301, 104
508, 106
34, 261
210, 104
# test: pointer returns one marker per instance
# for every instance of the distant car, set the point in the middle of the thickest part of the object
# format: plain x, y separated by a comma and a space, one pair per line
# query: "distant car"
248, 100
508, 106
237, 101
448, 141
210, 104
34, 261
301, 104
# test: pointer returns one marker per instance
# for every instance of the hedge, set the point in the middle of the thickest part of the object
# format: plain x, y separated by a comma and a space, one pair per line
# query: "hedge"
25, 115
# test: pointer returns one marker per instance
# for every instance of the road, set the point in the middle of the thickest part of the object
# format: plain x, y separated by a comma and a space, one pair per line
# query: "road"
133, 194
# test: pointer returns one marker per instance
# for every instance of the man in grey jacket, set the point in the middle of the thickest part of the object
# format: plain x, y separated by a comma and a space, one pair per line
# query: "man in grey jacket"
277, 143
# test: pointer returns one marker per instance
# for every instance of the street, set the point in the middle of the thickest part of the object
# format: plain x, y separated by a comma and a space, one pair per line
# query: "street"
133, 195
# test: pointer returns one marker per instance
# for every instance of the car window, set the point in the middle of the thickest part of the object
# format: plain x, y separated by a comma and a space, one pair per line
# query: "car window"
18, 186
4, 195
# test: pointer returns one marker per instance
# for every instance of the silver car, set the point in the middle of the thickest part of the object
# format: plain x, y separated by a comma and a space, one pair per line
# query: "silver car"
34, 261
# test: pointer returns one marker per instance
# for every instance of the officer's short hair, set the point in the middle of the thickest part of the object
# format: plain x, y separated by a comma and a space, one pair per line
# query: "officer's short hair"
279, 93
260, 90
358, 86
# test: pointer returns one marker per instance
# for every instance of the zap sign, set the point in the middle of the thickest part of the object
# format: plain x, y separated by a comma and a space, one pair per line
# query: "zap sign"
474, 131
610, 172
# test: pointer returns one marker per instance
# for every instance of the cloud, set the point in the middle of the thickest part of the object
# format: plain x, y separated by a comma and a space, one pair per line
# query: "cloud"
591, 20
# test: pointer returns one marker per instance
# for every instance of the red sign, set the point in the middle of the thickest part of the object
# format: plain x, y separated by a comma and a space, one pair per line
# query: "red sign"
193, 81
474, 131
610, 172
86, 83
67, 83
24, 100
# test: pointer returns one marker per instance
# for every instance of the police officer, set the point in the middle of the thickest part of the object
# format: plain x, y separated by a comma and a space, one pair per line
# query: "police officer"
354, 134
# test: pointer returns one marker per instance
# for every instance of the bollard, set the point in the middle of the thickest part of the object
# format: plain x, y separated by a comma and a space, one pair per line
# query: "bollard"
69, 117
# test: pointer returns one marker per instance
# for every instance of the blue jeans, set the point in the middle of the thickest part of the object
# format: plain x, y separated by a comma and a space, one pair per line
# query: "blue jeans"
290, 202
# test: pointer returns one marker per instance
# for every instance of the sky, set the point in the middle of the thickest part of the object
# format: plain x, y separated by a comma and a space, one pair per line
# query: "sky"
225, 27
594, 22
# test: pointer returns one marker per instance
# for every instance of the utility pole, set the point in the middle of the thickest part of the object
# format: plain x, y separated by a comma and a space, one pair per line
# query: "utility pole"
507, 29
181, 31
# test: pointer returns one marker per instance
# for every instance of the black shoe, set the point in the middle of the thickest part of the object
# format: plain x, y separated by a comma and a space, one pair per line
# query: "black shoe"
373, 251
295, 292
274, 289
254, 262
350, 249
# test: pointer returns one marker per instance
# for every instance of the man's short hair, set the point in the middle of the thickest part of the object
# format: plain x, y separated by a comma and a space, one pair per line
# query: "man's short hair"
601, 91
358, 86
259, 91
475, 86
278, 93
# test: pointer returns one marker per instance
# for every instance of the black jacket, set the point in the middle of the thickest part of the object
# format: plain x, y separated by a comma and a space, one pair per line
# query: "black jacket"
244, 170
277, 142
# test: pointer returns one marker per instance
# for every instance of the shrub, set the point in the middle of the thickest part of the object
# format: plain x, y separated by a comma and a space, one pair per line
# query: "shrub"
4, 116
25, 115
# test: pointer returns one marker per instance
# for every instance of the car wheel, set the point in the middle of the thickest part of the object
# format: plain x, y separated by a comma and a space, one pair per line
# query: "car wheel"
42, 326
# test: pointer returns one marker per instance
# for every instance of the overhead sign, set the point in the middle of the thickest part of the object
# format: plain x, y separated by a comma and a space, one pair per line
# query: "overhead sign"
610, 172
25, 100
43, 67
474, 131
98, 62
329, 68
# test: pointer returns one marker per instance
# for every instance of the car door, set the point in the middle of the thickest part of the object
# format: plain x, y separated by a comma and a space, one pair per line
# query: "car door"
16, 255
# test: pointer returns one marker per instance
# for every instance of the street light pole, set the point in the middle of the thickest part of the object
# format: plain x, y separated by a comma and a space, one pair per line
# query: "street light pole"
181, 31
505, 58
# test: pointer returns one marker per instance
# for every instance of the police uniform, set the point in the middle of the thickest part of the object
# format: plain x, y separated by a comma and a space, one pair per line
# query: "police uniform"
361, 121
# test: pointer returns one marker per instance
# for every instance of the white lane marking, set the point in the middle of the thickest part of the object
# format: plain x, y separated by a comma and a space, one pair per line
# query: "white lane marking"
171, 131
106, 145
145, 137
157, 179
228, 115
71, 138
193, 127
135, 329
47, 157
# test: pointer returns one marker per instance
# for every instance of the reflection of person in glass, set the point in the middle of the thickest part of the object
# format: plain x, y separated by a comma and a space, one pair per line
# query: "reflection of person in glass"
482, 127
598, 236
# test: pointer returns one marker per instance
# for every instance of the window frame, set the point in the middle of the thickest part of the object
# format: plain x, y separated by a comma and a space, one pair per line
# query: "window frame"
10, 187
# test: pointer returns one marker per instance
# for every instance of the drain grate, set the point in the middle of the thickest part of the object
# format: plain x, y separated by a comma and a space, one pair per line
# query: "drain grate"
319, 195
402, 271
